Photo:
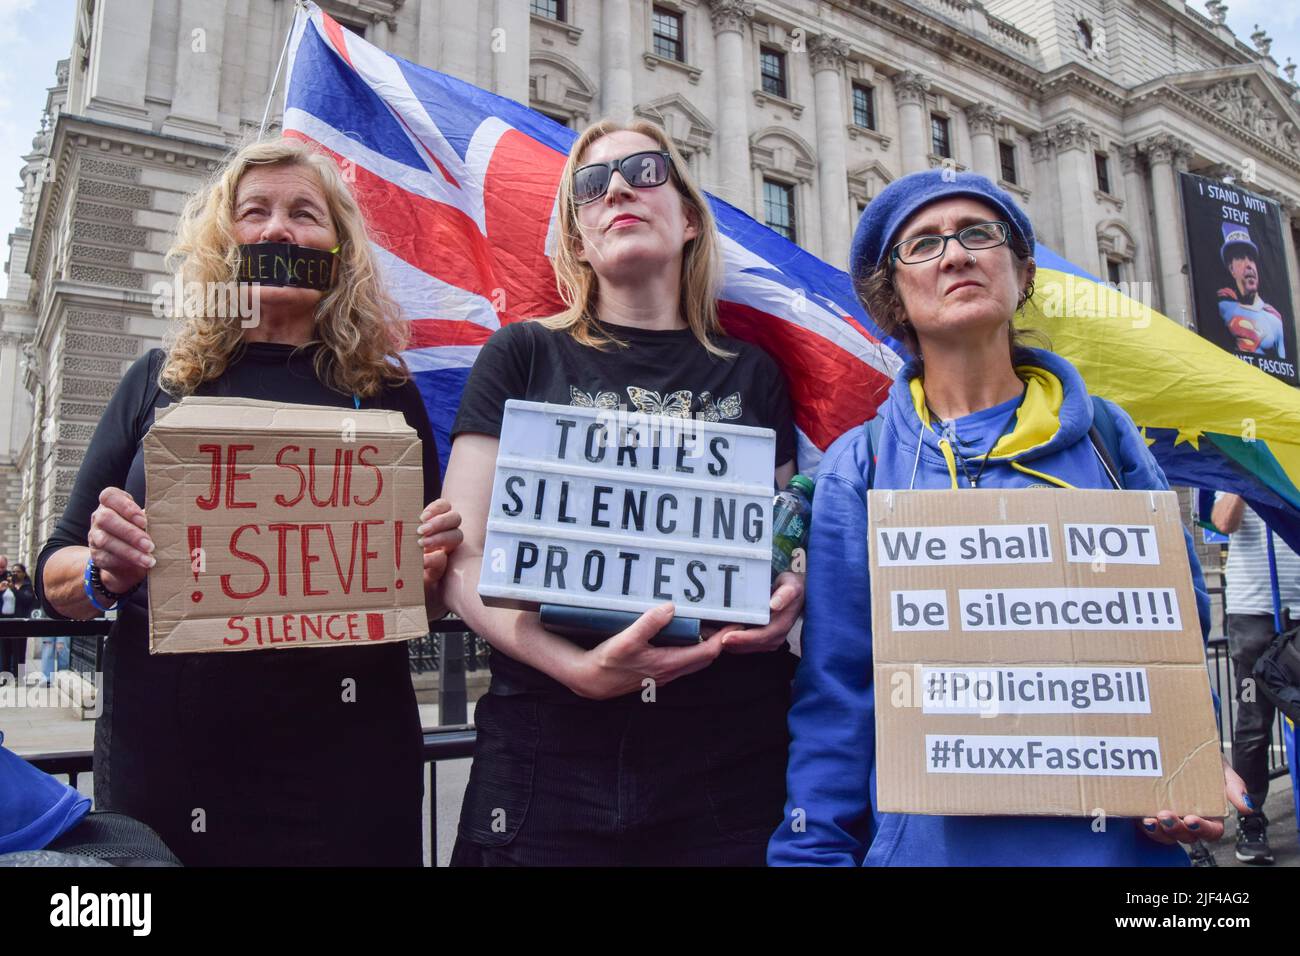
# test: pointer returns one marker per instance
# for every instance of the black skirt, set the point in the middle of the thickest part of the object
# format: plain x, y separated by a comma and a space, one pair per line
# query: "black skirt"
308, 757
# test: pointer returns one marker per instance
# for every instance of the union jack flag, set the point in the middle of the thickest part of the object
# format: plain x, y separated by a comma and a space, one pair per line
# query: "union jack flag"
458, 186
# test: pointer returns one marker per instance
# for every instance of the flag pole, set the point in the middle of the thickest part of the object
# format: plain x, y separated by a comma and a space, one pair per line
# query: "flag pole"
266, 114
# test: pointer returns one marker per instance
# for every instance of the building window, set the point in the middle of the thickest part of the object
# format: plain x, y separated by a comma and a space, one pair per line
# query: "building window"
1113, 272
1007, 153
1083, 33
772, 66
550, 9
778, 208
940, 140
1103, 172
864, 106
667, 29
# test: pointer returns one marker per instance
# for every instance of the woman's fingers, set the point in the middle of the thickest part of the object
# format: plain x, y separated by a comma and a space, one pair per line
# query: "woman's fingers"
754, 640
110, 523
1169, 828
122, 502
1235, 789
440, 527
446, 541
435, 566
106, 547
436, 507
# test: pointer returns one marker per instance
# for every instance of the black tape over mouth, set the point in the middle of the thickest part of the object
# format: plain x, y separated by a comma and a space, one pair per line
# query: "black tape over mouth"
286, 264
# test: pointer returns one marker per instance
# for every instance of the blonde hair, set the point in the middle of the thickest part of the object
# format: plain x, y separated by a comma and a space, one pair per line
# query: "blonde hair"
701, 256
358, 325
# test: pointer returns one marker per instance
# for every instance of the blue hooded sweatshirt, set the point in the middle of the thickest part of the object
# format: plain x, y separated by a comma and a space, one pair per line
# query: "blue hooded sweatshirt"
831, 778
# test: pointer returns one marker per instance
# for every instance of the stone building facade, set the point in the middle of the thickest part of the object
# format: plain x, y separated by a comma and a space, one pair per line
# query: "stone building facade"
797, 111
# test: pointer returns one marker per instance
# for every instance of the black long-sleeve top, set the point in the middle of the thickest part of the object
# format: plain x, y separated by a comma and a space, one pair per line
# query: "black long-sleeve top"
297, 756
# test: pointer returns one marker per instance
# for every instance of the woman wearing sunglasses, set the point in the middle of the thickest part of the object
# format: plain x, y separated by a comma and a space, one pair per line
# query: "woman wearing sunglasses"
944, 264
576, 763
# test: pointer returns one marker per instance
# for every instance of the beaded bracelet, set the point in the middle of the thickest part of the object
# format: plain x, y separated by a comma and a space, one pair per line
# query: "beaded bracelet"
91, 581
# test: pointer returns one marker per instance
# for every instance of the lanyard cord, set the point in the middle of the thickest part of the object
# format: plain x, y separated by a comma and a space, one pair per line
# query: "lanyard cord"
956, 443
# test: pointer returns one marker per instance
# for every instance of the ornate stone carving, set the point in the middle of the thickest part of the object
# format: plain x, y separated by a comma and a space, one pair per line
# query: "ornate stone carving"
90, 410
114, 277
95, 210
1166, 148
1238, 103
827, 52
117, 192
67, 455
1042, 146
69, 431
730, 15
134, 236
115, 257
910, 88
95, 321
982, 118
124, 345
90, 166
1074, 134
1130, 159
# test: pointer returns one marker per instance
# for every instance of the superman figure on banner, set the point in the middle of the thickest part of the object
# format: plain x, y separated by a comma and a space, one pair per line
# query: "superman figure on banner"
1255, 324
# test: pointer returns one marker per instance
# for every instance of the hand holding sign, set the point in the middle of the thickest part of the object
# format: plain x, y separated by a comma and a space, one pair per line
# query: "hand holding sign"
627, 660
1168, 828
118, 540
786, 604
440, 535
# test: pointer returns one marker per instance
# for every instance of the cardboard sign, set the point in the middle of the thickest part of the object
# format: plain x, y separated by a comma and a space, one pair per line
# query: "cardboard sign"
1038, 651
605, 508
282, 526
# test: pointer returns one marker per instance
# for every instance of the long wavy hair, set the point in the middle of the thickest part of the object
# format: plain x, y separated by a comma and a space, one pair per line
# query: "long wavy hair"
701, 256
358, 325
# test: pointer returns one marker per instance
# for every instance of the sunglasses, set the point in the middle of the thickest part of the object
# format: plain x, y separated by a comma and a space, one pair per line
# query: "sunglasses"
642, 170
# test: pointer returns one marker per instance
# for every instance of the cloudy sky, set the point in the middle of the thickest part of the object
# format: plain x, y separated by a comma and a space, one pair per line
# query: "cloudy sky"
36, 34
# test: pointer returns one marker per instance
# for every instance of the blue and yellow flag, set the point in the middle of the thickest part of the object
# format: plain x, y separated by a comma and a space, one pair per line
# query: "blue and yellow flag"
1211, 420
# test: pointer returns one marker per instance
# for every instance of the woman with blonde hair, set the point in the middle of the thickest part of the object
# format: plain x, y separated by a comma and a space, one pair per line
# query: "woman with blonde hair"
576, 763
254, 758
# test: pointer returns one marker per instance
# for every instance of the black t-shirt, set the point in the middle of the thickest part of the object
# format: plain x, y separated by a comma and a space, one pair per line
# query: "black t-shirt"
659, 372
283, 763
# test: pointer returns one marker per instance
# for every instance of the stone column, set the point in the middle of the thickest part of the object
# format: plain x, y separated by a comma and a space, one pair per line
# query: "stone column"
1046, 217
729, 20
910, 88
509, 45
1135, 207
458, 41
828, 56
1289, 210
982, 119
119, 48
196, 91
1074, 141
616, 99
1168, 156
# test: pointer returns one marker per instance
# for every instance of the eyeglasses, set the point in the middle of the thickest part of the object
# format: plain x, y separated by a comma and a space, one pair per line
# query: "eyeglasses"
981, 235
642, 170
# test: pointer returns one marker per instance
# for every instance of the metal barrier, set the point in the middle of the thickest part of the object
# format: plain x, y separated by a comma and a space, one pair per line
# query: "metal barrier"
453, 740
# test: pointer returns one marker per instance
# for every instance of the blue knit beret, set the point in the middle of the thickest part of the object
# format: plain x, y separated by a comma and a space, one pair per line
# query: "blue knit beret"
901, 199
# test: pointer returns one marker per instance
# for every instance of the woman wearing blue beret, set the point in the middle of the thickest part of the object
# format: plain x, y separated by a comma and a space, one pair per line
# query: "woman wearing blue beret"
943, 263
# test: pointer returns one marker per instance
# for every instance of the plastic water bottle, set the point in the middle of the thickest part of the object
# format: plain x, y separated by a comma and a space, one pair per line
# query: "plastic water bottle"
791, 519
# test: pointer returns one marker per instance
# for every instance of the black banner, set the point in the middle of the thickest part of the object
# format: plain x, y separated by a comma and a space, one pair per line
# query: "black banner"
1236, 259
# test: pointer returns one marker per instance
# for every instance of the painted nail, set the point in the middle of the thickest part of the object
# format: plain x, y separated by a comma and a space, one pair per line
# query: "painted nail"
1151, 827
1245, 797
1168, 822
1193, 826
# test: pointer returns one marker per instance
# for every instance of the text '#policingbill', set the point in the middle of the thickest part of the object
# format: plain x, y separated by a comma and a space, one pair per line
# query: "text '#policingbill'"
1035, 690
1043, 755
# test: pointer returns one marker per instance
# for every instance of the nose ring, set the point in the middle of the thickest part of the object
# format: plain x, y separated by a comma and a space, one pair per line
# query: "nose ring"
970, 258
